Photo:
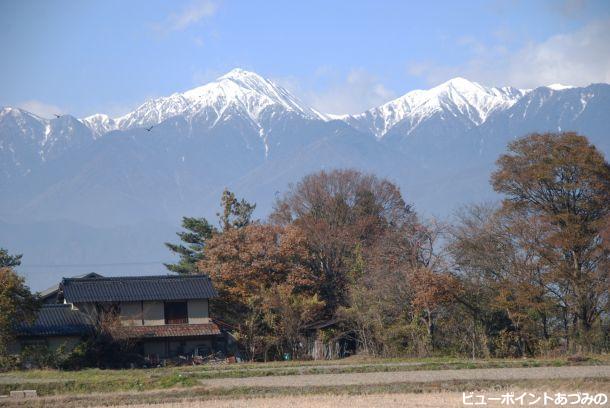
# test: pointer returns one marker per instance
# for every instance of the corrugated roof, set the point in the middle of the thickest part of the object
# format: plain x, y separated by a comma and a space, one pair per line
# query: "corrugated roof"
137, 288
168, 330
57, 320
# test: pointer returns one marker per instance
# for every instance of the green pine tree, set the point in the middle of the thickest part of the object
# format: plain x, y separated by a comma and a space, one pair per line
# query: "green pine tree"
9, 261
197, 232
235, 213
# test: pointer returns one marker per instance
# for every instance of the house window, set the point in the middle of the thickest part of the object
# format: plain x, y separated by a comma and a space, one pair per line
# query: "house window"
176, 313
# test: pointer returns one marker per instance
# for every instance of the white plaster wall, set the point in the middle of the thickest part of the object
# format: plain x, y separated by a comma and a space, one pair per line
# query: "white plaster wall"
198, 311
154, 314
131, 313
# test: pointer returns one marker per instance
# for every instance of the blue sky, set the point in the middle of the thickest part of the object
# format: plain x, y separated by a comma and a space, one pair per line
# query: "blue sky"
109, 56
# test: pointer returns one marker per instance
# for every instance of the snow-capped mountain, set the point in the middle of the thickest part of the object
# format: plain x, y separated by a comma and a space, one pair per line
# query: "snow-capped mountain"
27, 140
238, 92
247, 93
97, 185
100, 123
459, 97
552, 108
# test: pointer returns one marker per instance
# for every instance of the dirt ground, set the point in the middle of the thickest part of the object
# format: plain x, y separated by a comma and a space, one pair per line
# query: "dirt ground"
448, 400
435, 400
533, 373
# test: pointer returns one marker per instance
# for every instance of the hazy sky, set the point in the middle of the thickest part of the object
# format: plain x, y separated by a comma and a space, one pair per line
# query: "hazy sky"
109, 56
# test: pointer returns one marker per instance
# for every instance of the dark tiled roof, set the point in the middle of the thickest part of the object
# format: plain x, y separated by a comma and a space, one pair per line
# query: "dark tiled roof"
136, 288
169, 330
57, 320
46, 294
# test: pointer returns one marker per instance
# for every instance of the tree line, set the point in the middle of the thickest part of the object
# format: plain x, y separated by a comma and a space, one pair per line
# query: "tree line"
527, 276
524, 277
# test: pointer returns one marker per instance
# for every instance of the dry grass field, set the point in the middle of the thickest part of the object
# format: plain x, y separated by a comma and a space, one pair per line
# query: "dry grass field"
402, 400
353, 383
477, 374
442, 399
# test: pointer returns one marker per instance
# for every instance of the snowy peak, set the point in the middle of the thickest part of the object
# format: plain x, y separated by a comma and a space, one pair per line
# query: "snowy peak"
457, 97
475, 93
247, 91
99, 123
44, 132
18, 115
474, 100
460, 85
247, 80
27, 140
238, 92
239, 74
21, 126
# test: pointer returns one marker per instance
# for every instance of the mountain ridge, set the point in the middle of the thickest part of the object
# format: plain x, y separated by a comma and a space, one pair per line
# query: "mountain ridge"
186, 102
251, 94
458, 95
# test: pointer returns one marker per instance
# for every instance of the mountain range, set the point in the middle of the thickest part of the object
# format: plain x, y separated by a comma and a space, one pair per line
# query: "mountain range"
103, 194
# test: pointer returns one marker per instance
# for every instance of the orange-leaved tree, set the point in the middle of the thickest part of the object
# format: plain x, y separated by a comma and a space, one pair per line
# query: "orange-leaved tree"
561, 183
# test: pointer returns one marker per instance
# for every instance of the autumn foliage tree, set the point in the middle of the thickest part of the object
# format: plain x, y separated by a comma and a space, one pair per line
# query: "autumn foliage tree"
249, 266
370, 249
338, 212
341, 245
397, 288
17, 305
534, 272
499, 282
561, 183
524, 278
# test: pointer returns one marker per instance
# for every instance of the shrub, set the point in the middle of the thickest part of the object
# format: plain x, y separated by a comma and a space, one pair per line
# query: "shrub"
41, 356
102, 352
8, 363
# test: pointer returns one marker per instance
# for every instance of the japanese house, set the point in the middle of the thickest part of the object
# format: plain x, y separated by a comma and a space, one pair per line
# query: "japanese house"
165, 316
